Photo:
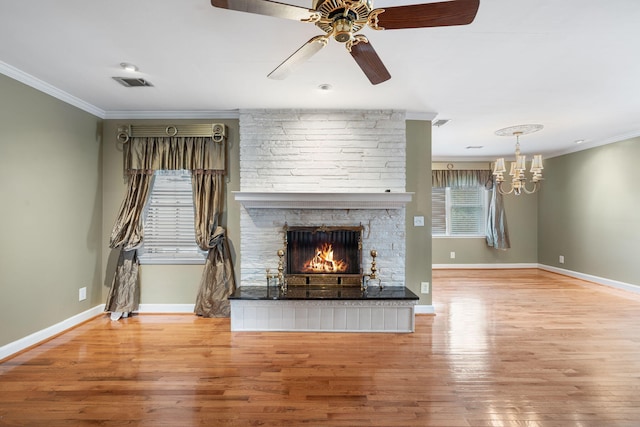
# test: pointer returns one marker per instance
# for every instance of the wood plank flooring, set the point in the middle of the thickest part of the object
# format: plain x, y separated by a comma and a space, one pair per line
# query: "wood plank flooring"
505, 348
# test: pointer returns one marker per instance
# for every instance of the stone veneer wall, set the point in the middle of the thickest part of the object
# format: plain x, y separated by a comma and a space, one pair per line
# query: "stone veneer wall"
322, 151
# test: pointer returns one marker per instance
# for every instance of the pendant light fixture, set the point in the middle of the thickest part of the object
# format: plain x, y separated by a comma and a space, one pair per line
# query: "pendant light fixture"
518, 167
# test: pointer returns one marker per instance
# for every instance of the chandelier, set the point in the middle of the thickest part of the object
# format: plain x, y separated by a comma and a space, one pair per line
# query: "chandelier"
518, 167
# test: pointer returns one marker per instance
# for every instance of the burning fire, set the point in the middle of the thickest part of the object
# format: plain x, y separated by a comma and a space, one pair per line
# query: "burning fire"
323, 261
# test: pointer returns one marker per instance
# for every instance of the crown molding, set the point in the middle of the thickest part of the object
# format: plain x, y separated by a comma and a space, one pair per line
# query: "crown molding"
42, 86
420, 115
216, 114
588, 145
193, 114
36, 83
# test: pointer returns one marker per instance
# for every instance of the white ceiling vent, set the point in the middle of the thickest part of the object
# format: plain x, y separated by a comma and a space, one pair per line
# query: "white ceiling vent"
440, 122
132, 82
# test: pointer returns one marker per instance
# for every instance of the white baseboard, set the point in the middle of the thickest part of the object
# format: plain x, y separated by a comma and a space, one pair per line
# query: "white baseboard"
588, 277
483, 266
44, 334
166, 308
425, 309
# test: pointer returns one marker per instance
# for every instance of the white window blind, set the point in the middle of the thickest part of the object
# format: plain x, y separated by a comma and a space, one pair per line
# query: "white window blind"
439, 211
169, 234
459, 211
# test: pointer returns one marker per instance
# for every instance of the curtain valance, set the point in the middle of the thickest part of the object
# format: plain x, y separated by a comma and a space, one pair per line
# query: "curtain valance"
460, 178
191, 153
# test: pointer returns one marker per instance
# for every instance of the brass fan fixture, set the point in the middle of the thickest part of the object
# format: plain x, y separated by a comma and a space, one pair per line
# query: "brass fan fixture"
342, 19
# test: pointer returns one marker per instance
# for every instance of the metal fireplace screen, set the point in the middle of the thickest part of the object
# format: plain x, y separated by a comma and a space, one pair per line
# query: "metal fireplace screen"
334, 251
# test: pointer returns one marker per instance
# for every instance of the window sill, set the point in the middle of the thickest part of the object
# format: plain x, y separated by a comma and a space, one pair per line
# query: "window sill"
172, 261
459, 237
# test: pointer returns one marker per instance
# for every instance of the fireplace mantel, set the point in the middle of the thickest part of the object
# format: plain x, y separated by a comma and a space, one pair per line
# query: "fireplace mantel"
298, 200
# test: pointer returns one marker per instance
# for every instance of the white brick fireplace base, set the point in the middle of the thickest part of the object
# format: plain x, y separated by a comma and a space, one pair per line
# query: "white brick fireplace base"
323, 316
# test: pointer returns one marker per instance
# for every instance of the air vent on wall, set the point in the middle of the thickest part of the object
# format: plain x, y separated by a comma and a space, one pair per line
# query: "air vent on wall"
132, 82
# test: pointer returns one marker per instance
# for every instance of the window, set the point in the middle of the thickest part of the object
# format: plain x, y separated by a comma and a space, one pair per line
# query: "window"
168, 222
459, 212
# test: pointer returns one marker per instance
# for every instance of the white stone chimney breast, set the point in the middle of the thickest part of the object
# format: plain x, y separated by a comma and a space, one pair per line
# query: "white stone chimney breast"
340, 151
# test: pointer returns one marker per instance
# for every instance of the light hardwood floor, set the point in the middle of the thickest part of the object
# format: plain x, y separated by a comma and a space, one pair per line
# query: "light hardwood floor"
505, 348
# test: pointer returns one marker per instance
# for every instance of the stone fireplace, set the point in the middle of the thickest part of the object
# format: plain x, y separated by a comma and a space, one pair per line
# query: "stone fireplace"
263, 235
315, 173
344, 168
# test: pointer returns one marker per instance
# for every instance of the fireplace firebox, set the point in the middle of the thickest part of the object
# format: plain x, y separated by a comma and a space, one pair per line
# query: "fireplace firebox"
323, 255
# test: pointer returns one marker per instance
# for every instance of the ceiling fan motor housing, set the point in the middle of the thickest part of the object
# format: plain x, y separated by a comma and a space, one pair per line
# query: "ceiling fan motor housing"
342, 18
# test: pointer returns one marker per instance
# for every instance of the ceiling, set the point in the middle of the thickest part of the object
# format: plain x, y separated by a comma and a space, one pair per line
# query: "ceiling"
571, 65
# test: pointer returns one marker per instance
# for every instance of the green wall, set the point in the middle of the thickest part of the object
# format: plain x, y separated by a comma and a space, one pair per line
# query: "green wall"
50, 213
418, 177
589, 212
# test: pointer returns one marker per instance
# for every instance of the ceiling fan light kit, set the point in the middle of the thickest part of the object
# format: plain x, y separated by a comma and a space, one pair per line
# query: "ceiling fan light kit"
342, 19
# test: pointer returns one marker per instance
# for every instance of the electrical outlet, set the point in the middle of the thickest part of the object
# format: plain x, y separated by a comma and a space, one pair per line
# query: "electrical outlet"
452, 255
561, 259
424, 287
418, 221
82, 294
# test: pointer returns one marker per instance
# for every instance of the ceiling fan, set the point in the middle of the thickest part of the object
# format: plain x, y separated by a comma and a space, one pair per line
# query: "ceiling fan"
342, 19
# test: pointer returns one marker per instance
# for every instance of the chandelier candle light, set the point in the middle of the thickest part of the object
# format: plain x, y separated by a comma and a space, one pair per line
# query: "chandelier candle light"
518, 179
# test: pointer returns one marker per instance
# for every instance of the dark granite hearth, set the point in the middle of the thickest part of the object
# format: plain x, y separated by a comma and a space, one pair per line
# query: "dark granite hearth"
322, 293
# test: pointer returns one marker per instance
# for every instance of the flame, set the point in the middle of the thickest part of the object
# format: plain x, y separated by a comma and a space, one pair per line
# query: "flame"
323, 261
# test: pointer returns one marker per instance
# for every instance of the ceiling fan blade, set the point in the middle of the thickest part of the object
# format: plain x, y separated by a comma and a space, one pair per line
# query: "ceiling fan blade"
300, 56
442, 14
369, 61
269, 8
